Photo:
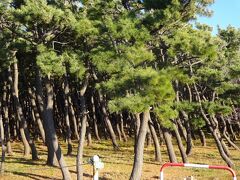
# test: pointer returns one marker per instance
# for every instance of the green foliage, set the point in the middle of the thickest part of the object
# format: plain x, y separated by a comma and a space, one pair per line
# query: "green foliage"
186, 106
198, 122
74, 62
192, 43
49, 62
214, 108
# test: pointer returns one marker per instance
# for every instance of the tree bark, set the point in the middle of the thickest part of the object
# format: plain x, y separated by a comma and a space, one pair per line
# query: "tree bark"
66, 114
94, 118
51, 132
202, 137
82, 130
36, 114
2, 145
122, 128
138, 156
158, 156
180, 144
170, 149
25, 135
189, 136
51, 158
107, 121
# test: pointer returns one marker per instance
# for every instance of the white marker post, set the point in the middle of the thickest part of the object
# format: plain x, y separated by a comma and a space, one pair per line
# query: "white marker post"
97, 164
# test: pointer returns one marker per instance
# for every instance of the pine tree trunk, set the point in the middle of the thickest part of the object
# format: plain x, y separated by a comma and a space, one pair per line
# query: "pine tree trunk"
14, 87
73, 116
6, 107
94, 119
89, 136
182, 129
2, 145
122, 128
36, 114
82, 130
118, 130
180, 144
81, 139
158, 156
51, 157
226, 136
27, 141
202, 137
108, 122
148, 138
214, 132
170, 149
51, 133
138, 156
66, 113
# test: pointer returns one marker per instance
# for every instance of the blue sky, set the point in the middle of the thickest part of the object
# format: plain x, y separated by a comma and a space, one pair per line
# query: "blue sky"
226, 12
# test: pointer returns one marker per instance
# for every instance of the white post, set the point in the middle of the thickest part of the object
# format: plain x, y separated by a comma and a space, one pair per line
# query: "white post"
97, 164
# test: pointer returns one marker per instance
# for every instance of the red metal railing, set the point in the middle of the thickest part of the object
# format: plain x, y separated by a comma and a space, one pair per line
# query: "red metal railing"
197, 166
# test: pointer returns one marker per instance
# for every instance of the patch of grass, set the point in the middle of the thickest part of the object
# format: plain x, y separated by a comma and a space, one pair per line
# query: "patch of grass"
117, 164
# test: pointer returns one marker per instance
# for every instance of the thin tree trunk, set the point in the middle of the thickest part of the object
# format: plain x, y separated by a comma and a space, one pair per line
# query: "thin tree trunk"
36, 114
66, 113
170, 149
226, 136
202, 137
118, 130
148, 138
182, 129
138, 156
6, 107
14, 88
214, 132
27, 141
158, 156
122, 128
180, 144
2, 145
189, 135
94, 118
73, 116
82, 130
89, 136
107, 121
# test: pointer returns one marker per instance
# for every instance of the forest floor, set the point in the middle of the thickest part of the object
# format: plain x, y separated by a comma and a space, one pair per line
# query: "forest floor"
117, 164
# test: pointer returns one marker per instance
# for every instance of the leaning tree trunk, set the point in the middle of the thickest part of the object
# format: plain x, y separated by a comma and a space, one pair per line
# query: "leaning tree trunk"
158, 156
189, 136
36, 114
226, 136
214, 131
180, 144
170, 149
51, 132
107, 121
25, 135
202, 137
14, 88
138, 156
82, 130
